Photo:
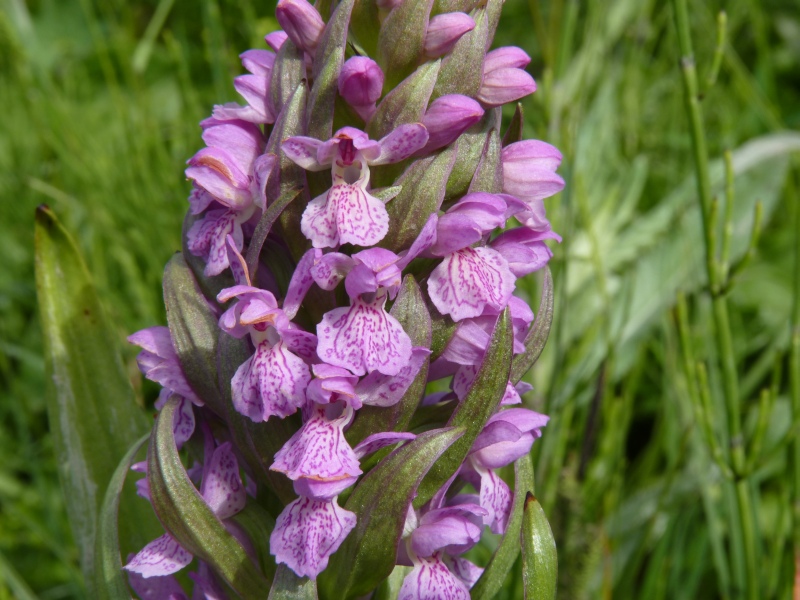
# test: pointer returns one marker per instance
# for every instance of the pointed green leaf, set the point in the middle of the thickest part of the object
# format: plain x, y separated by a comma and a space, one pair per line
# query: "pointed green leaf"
288, 586
194, 330
258, 524
410, 310
90, 403
109, 580
263, 228
365, 25
470, 146
187, 517
381, 502
462, 68
406, 103
540, 330
291, 121
502, 561
390, 587
539, 555
288, 72
423, 185
489, 174
514, 132
442, 328
479, 404
327, 65
401, 42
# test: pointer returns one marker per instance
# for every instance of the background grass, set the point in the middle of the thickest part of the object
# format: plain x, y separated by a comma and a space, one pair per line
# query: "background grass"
100, 104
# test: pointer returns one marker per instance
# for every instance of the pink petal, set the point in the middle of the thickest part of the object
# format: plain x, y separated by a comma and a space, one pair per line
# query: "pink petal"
271, 382
302, 151
346, 213
401, 143
468, 281
363, 338
378, 389
495, 498
207, 239
465, 570
300, 283
376, 441
183, 422
319, 450
307, 532
432, 580
162, 556
222, 487
330, 269
155, 588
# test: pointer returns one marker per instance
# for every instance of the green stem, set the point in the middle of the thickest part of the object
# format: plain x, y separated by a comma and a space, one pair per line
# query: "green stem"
723, 339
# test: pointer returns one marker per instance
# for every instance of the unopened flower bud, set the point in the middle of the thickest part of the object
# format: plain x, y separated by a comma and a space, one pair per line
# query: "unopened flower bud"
361, 82
448, 117
444, 31
529, 170
504, 78
302, 23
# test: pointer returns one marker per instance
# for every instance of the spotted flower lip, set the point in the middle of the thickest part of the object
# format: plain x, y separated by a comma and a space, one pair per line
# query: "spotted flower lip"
347, 212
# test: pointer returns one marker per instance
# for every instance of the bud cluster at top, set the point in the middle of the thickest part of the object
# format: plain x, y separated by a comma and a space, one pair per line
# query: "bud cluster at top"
364, 167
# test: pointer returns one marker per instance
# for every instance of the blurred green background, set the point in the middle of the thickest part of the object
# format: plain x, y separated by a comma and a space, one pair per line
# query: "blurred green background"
100, 104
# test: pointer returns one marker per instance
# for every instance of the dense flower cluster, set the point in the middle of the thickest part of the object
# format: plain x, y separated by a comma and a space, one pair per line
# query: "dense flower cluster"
322, 342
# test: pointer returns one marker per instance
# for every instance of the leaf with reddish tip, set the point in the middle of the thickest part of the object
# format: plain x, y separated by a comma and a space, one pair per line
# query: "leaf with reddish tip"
91, 407
539, 554
489, 174
514, 132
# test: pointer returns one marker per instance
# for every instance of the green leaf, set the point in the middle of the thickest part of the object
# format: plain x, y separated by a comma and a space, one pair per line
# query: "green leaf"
288, 586
489, 174
502, 561
381, 502
291, 121
539, 555
479, 404
423, 185
263, 228
194, 330
469, 150
540, 330
288, 73
187, 517
410, 311
406, 103
109, 581
462, 68
327, 65
365, 25
258, 524
514, 132
91, 407
401, 41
